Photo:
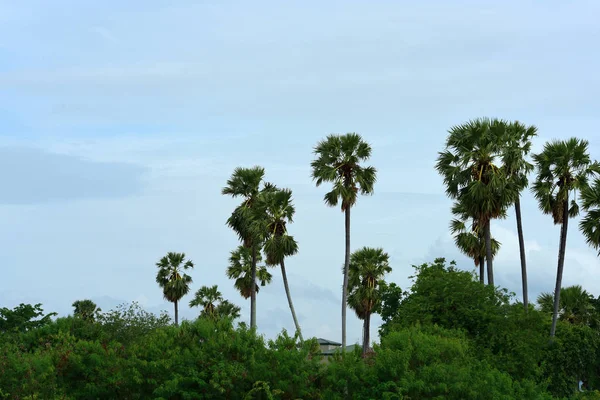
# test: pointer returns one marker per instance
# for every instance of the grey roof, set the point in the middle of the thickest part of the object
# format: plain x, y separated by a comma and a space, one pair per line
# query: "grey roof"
349, 349
328, 342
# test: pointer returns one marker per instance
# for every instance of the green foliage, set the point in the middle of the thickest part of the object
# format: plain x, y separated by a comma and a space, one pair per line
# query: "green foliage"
23, 317
86, 309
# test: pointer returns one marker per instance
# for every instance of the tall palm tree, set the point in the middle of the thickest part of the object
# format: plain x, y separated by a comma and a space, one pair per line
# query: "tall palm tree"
245, 183
563, 166
86, 310
279, 244
173, 280
240, 269
576, 305
338, 159
367, 268
517, 167
207, 298
472, 243
471, 175
590, 223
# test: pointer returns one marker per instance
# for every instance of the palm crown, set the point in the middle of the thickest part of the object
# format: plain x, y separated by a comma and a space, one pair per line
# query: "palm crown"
470, 241
171, 276
563, 166
590, 223
240, 269
367, 268
278, 211
338, 161
470, 172
207, 297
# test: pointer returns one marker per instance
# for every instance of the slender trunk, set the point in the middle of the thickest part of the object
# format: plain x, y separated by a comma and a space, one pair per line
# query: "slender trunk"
561, 264
482, 269
176, 313
367, 333
253, 290
345, 285
289, 298
488, 253
522, 252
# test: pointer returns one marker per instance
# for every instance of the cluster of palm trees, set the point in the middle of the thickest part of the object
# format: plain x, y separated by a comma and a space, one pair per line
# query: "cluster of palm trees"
485, 168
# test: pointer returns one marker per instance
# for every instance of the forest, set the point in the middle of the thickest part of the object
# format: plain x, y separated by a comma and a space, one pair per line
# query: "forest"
453, 334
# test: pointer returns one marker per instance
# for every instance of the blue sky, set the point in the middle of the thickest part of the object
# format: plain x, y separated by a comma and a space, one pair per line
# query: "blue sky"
121, 121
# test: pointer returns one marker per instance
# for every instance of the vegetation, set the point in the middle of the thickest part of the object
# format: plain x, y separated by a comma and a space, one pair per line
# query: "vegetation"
449, 336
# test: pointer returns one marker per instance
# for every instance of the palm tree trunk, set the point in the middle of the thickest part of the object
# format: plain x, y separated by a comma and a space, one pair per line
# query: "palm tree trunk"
176, 313
561, 264
522, 253
367, 333
289, 298
482, 269
253, 290
488, 253
345, 285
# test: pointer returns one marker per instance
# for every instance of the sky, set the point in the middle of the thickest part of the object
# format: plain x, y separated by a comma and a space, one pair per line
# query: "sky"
120, 122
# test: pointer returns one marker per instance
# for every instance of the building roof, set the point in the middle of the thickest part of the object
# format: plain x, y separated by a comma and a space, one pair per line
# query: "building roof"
328, 342
349, 349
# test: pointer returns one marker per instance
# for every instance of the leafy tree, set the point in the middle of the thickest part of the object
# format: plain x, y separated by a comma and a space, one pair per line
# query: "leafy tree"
367, 269
23, 317
338, 160
590, 223
86, 310
471, 175
391, 297
576, 306
279, 244
245, 220
173, 280
128, 322
563, 166
240, 269
517, 167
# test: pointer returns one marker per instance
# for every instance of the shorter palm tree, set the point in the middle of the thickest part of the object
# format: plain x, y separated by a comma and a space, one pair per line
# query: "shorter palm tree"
576, 306
226, 309
240, 269
86, 310
173, 280
367, 268
471, 242
207, 298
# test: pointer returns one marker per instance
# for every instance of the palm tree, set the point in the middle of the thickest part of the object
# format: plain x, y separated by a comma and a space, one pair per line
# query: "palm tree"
367, 268
471, 176
225, 309
279, 244
245, 183
518, 146
338, 161
563, 166
590, 223
240, 269
472, 243
207, 298
173, 280
576, 305
86, 310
